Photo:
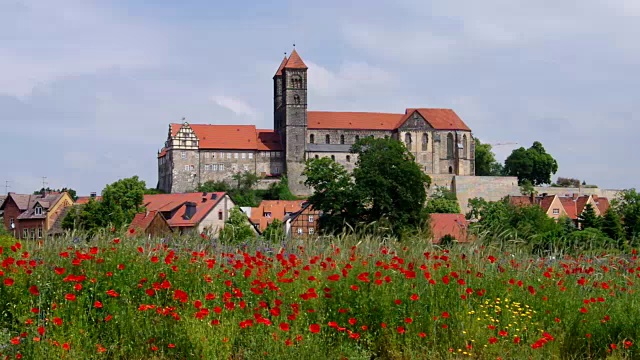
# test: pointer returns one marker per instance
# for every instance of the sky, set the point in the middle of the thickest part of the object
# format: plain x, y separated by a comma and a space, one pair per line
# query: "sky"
88, 88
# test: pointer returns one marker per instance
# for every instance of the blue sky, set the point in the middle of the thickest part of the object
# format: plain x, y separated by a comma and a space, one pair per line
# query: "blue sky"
88, 88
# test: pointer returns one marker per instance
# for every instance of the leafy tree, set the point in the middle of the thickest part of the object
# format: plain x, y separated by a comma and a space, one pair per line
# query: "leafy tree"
612, 226
486, 164
236, 228
443, 201
567, 182
279, 191
70, 191
526, 188
274, 231
151, 191
588, 217
567, 225
387, 186
533, 164
627, 204
213, 186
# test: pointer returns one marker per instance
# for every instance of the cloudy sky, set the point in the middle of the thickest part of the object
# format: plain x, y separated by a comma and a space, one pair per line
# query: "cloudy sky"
88, 87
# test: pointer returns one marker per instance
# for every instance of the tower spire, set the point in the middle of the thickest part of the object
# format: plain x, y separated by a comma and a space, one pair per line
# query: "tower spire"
295, 61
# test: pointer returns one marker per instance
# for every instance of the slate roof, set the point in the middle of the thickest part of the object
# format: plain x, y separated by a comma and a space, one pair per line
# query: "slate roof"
31, 200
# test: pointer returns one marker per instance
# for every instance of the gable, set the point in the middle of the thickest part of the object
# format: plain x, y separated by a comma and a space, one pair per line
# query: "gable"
414, 121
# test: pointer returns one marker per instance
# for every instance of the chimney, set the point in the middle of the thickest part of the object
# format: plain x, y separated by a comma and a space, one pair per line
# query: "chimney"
93, 195
190, 210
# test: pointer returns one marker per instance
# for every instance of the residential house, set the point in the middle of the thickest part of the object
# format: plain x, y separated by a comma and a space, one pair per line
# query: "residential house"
270, 210
82, 200
197, 212
33, 216
150, 223
551, 204
454, 225
570, 205
303, 223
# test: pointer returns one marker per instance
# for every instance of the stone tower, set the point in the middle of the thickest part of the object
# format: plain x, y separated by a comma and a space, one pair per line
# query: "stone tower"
290, 118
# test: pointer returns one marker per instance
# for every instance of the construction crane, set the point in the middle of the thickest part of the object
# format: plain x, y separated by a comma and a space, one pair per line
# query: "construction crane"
503, 143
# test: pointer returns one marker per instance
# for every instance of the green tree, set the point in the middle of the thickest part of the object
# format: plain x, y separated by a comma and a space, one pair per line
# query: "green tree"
486, 164
627, 204
151, 191
387, 186
567, 182
588, 217
72, 193
237, 228
527, 188
533, 164
612, 226
443, 201
279, 191
274, 232
213, 186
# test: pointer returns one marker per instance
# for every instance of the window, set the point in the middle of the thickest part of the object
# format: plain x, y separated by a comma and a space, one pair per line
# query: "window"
348, 158
449, 146
311, 231
296, 99
213, 155
244, 155
206, 155
220, 215
333, 157
450, 170
267, 214
33, 233
464, 146
39, 233
407, 140
261, 153
228, 155
341, 139
235, 155
268, 154
310, 218
214, 167
183, 154
327, 139
317, 157
357, 138
221, 167
186, 167
38, 210
245, 167
192, 167
206, 168
425, 141
299, 231
250, 155
12, 223
296, 82
556, 211
312, 139
277, 170
25, 233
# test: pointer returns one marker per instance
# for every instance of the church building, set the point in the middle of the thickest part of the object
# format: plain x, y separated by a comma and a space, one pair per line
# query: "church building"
196, 153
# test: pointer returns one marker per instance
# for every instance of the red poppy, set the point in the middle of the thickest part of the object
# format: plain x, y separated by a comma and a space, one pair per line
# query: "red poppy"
34, 290
493, 340
8, 281
516, 340
314, 328
352, 321
408, 320
284, 326
57, 321
97, 304
401, 330
584, 310
70, 297
414, 297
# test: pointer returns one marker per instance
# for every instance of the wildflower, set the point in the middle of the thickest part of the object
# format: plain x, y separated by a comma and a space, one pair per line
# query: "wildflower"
70, 297
314, 328
8, 281
401, 330
34, 290
57, 321
493, 340
414, 297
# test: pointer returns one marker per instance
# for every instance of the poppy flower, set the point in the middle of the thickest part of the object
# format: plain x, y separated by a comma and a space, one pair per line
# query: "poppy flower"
284, 326
57, 321
34, 290
314, 328
8, 281
70, 297
400, 329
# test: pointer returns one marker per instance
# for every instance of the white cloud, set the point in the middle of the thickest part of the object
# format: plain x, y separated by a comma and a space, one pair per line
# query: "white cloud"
349, 78
236, 105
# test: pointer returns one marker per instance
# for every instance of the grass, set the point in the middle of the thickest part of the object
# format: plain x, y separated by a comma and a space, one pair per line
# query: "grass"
330, 298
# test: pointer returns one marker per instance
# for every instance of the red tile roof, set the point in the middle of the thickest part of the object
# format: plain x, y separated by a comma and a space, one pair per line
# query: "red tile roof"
352, 120
142, 220
546, 201
295, 62
162, 153
268, 140
277, 210
282, 64
442, 119
449, 224
602, 203
85, 199
520, 200
569, 206
176, 203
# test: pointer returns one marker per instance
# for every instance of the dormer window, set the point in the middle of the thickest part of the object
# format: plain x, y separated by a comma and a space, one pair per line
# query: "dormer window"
267, 214
38, 210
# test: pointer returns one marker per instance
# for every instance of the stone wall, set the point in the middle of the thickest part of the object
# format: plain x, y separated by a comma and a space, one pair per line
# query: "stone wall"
565, 191
335, 135
490, 188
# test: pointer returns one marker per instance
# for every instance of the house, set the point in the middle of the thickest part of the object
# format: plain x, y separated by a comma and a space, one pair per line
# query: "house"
198, 212
150, 223
570, 205
454, 225
270, 210
303, 223
32, 216
82, 200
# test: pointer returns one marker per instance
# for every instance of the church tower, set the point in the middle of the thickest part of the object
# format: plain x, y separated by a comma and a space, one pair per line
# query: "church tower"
278, 96
292, 119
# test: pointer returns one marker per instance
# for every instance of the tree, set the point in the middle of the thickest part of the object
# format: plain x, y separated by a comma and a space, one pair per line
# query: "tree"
443, 201
486, 164
274, 231
236, 228
213, 186
387, 185
72, 193
567, 182
627, 205
612, 226
588, 217
533, 164
279, 191
527, 188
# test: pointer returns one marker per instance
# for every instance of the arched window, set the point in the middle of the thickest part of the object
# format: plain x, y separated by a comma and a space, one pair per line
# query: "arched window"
317, 157
407, 140
464, 146
333, 157
312, 139
296, 82
450, 146
425, 141
348, 158
357, 138
296, 99
341, 139
450, 170
327, 139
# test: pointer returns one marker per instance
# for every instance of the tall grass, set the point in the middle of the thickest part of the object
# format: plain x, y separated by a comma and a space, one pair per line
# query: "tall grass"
348, 296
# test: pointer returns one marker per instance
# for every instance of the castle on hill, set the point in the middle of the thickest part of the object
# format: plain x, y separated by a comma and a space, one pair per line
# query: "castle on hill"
195, 153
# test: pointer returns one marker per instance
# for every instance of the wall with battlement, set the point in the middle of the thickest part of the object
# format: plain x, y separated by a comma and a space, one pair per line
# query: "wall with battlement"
490, 188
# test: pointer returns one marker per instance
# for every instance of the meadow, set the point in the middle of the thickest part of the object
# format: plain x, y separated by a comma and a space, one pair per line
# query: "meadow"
345, 297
